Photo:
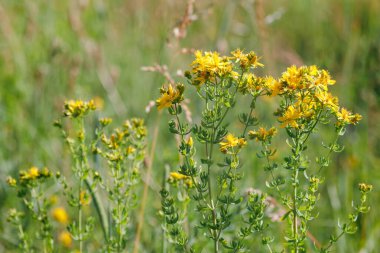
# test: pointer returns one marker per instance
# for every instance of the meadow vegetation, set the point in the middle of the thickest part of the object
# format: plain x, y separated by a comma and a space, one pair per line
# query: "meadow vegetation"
151, 126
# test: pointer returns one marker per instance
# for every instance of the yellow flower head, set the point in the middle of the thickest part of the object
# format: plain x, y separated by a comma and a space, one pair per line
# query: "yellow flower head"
231, 141
11, 181
246, 61
85, 198
177, 176
65, 239
31, 174
290, 117
364, 188
273, 86
263, 134
170, 96
208, 66
60, 215
78, 108
345, 117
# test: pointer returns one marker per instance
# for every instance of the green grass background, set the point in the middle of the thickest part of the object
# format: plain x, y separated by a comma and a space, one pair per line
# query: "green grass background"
51, 51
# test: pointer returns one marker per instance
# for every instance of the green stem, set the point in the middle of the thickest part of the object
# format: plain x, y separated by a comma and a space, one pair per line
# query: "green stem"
80, 216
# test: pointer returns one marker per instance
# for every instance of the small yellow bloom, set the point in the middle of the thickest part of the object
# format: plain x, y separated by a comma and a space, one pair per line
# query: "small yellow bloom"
11, 181
231, 141
290, 117
190, 142
345, 117
78, 108
65, 239
170, 96
105, 121
33, 172
364, 188
262, 134
85, 198
177, 176
130, 150
60, 215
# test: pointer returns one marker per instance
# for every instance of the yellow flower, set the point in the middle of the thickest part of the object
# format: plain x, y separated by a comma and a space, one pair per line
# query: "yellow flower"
345, 117
327, 99
364, 188
105, 121
246, 60
84, 198
290, 117
190, 142
60, 215
231, 141
78, 108
177, 176
170, 96
11, 181
262, 134
208, 66
65, 239
33, 172
274, 86
130, 150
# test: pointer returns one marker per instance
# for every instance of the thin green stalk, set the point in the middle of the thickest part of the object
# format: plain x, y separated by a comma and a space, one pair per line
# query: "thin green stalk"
80, 215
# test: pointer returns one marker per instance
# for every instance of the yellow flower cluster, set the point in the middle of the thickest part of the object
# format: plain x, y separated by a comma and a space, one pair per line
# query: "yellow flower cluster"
253, 84
246, 61
34, 173
364, 188
78, 108
262, 134
170, 96
60, 215
209, 65
231, 141
175, 177
307, 86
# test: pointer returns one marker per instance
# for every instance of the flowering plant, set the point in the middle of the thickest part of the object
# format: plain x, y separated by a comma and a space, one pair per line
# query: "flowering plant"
225, 213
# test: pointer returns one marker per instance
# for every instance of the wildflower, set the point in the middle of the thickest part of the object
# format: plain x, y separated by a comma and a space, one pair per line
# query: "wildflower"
327, 99
84, 198
65, 239
345, 117
246, 60
177, 176
78, 108
105, 121
170, 96
11, 181
60, 215
208, 66
130, 150
364, 188
263, 134
273, 86
290, 117
31, 174
190, 142
230, 141
251, 84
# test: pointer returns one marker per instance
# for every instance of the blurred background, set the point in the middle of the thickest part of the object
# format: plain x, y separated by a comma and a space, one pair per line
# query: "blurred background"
119, 52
